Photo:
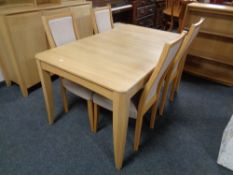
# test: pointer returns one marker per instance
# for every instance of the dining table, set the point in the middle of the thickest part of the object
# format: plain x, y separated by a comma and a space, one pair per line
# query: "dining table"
115, 64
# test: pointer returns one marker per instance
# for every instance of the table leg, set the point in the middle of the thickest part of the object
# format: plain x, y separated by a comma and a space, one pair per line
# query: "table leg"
47, 91
120, 126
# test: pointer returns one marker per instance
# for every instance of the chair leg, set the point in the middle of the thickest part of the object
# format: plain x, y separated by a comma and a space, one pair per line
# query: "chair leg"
64, 97
180, 74
173, 90
178, 81
153, 115
96, 118
164, 97
138, 132
90, 114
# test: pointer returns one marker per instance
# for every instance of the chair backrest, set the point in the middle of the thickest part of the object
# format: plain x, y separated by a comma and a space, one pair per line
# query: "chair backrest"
172, 3
60, 29
193, 31
173, 9
152, 88
102, 19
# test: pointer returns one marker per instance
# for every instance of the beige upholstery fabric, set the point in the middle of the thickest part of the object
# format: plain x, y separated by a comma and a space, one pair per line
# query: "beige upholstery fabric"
77, 90
62, 30
169, 58
107, 104
175, 69
103, 20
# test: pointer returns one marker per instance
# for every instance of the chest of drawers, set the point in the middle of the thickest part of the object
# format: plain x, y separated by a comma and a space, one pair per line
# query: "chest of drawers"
159, 18
144, 12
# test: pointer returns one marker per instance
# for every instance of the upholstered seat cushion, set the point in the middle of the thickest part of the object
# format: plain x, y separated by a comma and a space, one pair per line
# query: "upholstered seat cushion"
77, 90
107, 104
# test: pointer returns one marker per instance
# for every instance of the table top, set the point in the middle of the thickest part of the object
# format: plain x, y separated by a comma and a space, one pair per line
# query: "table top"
116, 60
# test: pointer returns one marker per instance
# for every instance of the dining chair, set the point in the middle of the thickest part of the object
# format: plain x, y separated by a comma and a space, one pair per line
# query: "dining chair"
61, 29
174, 75
175, 11
172, 11
102, 19
150, 93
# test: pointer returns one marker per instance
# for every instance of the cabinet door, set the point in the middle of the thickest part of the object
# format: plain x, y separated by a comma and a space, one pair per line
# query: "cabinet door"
84, 20
28, 38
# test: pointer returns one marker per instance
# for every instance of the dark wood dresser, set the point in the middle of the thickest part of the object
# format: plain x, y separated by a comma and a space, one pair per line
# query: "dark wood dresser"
122, 10
159, 17
144, 13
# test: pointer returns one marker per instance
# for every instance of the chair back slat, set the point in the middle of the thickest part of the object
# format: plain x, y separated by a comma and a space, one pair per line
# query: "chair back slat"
173, 3
153, 86
191, 35
102, 19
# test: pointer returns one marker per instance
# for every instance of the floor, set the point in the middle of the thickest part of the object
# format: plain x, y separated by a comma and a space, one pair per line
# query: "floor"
186, 139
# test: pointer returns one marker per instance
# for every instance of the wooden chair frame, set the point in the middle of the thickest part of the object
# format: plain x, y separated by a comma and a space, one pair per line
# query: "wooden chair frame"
172, 5
175, 77
176, 6
45, 20
94, 10
144, 105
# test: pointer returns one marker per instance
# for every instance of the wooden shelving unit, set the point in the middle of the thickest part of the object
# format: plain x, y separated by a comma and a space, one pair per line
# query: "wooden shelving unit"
33, 2
208, 57
209, 70
217, 34
211, 54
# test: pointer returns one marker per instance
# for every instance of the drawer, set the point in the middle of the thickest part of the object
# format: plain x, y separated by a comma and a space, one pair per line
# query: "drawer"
144, 11
142, 3
146, 22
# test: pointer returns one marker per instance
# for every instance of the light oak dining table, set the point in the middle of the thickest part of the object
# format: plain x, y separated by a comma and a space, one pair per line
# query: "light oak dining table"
115, 64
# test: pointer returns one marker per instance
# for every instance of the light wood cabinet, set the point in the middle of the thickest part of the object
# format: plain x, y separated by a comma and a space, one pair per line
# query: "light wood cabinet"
22, 36
211, 54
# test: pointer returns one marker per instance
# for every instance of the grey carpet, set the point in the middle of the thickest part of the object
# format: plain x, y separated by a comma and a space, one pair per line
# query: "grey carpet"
185, 141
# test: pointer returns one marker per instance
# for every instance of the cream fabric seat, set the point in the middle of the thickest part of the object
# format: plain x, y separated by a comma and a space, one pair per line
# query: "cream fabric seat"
62, 29
77, 89
107, 104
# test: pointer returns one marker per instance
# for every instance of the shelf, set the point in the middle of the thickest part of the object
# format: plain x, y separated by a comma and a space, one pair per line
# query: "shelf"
203, 55
217, 34
213, 33
210, 75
